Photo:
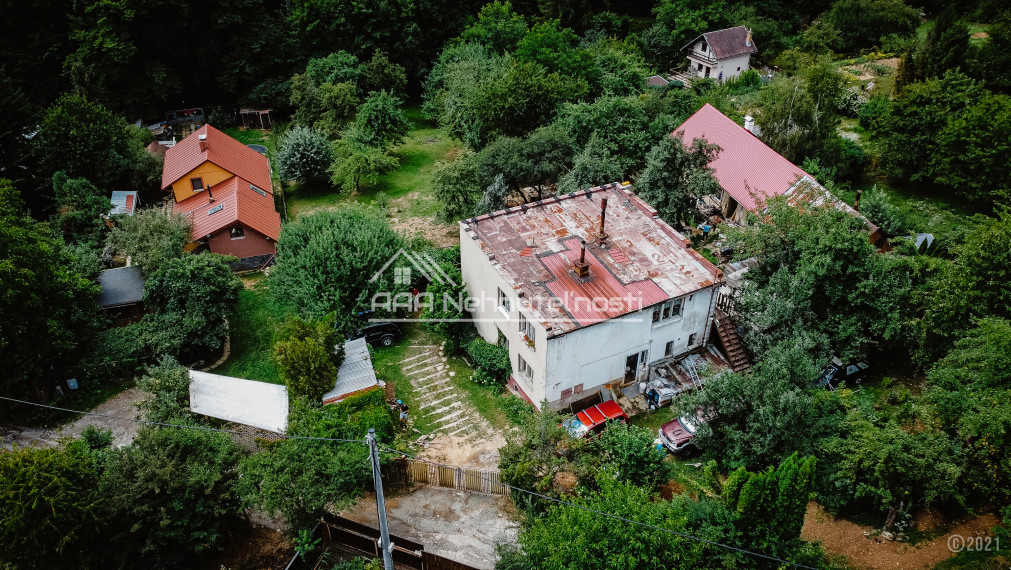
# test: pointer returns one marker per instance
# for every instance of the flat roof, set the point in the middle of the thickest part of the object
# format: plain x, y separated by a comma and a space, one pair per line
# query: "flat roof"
247, 402
121, 286
642, 261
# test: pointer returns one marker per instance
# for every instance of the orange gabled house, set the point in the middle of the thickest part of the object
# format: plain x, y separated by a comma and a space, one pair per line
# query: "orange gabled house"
224, 187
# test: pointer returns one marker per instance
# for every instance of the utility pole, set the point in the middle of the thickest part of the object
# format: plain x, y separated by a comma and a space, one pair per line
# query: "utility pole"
384, 532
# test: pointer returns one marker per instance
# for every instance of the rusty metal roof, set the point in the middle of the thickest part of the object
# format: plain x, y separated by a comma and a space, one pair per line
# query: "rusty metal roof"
642, 262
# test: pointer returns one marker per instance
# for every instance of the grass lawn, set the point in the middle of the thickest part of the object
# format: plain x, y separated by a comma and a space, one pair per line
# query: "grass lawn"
654, 419
252, 333
487, 401
408, 188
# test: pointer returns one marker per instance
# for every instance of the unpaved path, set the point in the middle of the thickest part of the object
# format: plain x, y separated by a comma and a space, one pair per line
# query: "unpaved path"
438, 400
464, 527
866, 552
122, 405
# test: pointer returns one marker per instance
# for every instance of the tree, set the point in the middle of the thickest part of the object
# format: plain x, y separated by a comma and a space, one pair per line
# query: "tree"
380, 121
555, 48
946, 46
151, 238
792, 121
49, 311
966, 289
50, 507
689, 18
772, 503
80, 207
592, 167
193, 295
569, 537
759, 418
818, 273
658, 47
456, 187
993, 57
171, 494
969, 391
498, 27
887, 468
326, 262
445, 313
304, 155
677, 177
304, 479
86, 140
621, 124
168, 384
633, 455
862, 23
381, 74
308, 357
536, 161
354, 163
493, 198
971, 151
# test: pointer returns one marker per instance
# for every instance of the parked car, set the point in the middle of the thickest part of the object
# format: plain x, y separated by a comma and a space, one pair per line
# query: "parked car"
836, 373
677, 435
593, 420
383, 334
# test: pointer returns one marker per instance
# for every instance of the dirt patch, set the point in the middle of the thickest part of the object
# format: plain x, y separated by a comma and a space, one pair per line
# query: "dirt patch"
864, 550
120, 408
255, 548
439, 235
981, 35
460, 451
464, 527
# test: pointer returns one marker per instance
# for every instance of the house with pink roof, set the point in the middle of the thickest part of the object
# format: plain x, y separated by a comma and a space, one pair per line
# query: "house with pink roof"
750, 172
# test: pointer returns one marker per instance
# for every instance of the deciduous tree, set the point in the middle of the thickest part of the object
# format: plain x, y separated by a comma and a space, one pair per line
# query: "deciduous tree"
151, 238
677, 177
305, 155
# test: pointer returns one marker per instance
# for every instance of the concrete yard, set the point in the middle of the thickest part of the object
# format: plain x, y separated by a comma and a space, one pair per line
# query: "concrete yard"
464, 527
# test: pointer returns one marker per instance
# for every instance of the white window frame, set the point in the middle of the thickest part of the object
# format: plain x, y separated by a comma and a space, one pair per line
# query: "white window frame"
504, 303
524, 368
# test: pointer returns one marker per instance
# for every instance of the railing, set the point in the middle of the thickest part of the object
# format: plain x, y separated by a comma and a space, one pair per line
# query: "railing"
726, 304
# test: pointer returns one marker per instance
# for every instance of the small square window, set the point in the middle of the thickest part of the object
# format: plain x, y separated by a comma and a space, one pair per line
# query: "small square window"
738, 69
566, 393
668, 349
525, 368
656, 313
691, 339
197, 184
237, 232
675, 308
577, 389
503, 341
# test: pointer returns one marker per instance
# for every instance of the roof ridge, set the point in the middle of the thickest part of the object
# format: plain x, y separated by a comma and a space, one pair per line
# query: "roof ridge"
549, 200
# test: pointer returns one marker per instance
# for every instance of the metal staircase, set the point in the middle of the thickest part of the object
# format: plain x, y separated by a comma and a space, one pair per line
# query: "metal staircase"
731, 341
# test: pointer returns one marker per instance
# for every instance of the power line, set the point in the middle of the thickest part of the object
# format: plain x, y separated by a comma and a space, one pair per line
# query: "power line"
609, 515
182, 426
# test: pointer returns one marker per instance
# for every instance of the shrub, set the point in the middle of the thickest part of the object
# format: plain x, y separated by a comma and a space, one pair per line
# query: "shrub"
168, 383
850, 102
878, 209
305, 155
309, 356
516, 409
491, 362
874, 113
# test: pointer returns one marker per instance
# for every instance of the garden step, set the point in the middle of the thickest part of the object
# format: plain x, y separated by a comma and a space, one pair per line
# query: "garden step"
431, 403
434, 359
446, 418
452, 406
457, 422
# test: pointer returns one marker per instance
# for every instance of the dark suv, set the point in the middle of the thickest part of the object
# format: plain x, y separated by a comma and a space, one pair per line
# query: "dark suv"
836, 374
383, 334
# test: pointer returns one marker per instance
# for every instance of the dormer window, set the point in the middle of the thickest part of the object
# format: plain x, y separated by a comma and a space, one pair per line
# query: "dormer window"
197, 184
237, 232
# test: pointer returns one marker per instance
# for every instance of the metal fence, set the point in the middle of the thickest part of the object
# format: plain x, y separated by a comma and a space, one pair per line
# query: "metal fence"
409, 471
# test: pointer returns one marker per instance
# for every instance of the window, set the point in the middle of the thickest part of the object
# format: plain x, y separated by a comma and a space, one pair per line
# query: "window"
738, 69
503, 341
667, 310
504, 303
260, 191
527, 330
691, 339
700, 67
197, 184
525, 368
668, 350
237, 232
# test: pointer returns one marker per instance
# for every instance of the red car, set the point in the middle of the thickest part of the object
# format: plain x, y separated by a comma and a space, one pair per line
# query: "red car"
592, 420
677, 435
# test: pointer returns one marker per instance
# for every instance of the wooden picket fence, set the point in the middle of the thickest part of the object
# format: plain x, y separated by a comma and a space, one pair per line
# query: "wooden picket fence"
410, 471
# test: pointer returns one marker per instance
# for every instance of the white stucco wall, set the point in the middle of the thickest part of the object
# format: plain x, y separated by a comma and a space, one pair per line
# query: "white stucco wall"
596, 355
592, 356
727, 66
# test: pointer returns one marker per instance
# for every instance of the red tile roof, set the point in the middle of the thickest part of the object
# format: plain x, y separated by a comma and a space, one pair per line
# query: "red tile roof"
234, 201
643, 261
221, 150
727, 43
745, 165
